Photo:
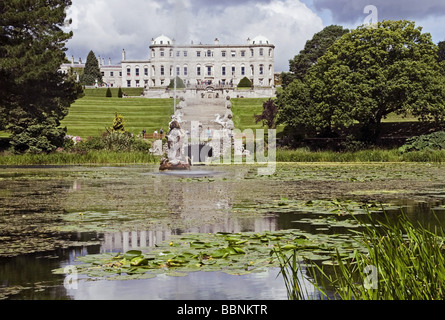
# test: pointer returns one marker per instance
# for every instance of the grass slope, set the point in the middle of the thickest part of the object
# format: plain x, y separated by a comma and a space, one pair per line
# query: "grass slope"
90, 115
244, 110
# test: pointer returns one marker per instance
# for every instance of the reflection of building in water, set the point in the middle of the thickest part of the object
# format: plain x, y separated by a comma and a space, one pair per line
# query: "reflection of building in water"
199, 200
128, 240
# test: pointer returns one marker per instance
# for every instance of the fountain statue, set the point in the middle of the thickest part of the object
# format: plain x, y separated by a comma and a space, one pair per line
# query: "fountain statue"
177, 116
177, 158
226, 121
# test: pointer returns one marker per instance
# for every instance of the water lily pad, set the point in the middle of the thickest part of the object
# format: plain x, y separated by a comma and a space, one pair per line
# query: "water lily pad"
176, 274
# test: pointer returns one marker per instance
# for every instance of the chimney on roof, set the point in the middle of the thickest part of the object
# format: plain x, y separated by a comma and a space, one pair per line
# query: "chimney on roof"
216, 41
123, 55
109, 61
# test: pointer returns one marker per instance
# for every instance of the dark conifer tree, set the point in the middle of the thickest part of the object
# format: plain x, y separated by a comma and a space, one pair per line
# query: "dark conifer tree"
34, 95
91, 72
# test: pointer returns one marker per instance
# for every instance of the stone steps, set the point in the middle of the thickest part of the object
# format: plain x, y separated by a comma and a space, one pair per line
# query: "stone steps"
204, 111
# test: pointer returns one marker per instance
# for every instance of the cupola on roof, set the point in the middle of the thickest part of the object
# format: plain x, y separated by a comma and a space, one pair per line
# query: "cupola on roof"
260, 40
162, 40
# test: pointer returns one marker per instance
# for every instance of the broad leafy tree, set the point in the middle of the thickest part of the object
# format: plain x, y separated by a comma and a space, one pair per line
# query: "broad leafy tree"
313, 49
34, 95
91, 73
366, 75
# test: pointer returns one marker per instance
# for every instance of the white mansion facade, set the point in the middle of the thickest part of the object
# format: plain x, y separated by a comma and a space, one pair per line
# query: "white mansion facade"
198, 65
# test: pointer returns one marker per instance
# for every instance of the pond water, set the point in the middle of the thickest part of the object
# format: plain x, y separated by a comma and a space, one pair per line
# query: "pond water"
50, 216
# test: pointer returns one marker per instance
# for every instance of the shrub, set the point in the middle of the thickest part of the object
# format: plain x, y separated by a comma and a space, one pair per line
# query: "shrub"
94, 143
244, 83
119, 93
179, 83
38, 138
433, 141
118, 141
351, 144
118, 124
108, 94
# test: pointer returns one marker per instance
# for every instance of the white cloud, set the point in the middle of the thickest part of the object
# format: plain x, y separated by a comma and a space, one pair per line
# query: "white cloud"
107, 26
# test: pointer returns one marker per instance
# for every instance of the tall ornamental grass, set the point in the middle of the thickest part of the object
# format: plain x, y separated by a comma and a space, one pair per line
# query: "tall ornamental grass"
404, 261
90, 157
371, 155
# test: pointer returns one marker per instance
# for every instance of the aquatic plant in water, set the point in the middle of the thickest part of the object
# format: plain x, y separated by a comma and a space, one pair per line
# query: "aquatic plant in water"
402, 261
232, 253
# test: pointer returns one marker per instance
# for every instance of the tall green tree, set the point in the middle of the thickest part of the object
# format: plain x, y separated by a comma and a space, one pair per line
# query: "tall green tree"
441, 54
91, 73
366, 75
313, 49
34, 95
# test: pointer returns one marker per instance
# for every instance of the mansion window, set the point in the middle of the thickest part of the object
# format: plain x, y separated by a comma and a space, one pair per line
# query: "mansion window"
111, 74
185, 53
185, 71
162, 70
251, 52
233, 52
146, 71
102, 73
243, 71
223, 71
261, 69
209, 53
243, 53
198, 71
128, 72
198, 53
162, 52
178, 71
261, 51
223, 53
209, 71
137, 72
233, 70
128, 83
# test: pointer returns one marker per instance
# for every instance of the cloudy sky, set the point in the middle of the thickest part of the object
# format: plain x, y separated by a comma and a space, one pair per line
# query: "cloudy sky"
108, 26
